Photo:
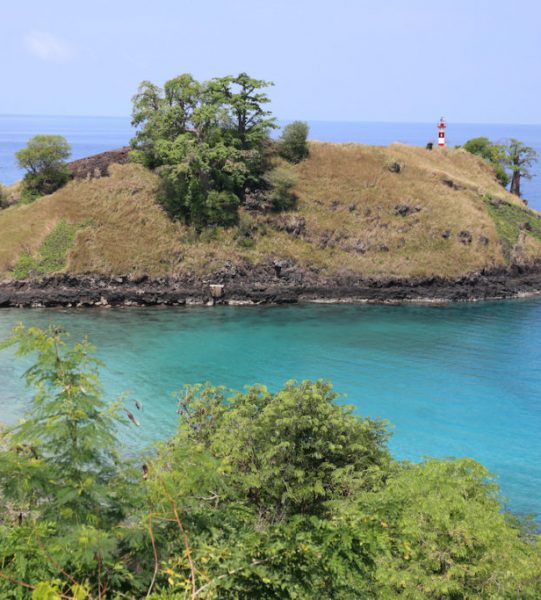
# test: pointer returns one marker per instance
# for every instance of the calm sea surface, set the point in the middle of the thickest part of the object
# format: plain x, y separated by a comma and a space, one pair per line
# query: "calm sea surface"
89, 135
458, 380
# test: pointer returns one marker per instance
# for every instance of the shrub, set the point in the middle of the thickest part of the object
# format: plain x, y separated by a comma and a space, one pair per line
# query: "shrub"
44, 161
222, 208
282, 196
3, 197
293, 145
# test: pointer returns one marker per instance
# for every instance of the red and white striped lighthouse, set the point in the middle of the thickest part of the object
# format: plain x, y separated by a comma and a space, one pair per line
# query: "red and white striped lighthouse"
441, 133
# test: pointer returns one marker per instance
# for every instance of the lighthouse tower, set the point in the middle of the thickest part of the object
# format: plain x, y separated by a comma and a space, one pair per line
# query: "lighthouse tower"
441, 133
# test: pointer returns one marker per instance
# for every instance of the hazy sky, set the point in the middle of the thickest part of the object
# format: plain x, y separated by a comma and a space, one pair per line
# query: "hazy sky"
358, 60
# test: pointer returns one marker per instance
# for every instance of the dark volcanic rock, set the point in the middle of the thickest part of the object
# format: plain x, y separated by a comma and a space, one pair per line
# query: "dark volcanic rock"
98, 165
465, 236
405, 210
483, 240
276, 281
293, 224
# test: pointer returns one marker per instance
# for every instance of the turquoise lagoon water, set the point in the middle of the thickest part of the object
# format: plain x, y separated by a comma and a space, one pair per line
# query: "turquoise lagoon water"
453, 380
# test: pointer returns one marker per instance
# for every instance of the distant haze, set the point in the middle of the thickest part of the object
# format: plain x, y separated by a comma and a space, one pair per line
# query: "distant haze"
347, 60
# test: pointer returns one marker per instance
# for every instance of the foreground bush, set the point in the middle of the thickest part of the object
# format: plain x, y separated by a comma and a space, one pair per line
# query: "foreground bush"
257, 495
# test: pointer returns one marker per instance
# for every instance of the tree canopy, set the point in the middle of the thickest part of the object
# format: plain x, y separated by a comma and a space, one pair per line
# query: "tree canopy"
44, 160
209, 141
511, 160
518, 159
492, 153
293, 141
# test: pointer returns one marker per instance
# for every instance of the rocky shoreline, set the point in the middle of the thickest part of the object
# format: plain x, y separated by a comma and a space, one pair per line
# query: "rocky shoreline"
277, 282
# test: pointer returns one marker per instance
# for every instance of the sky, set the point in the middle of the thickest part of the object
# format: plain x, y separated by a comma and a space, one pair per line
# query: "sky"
474, 61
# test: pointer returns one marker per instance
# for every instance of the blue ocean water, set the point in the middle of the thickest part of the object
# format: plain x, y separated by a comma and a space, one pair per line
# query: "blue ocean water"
453, 380
89, 135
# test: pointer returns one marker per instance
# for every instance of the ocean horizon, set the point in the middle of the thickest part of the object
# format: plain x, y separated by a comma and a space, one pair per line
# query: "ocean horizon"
89, 135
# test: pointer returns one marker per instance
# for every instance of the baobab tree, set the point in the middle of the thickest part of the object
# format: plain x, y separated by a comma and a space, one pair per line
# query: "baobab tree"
518, 158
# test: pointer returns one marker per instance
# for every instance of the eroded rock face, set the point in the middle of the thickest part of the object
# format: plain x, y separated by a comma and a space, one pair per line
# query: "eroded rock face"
276, 281
292, 224
465, 237
98, 165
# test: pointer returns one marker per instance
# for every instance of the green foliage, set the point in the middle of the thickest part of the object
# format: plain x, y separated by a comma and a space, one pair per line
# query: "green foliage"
510, 221
44, 161
61, 479
52, 254
222, 208
518, 158
293, 144
493, 153
511, 161
281, 183
65, 447
303, 463
443, 535
208, 141
3, 197
259, 494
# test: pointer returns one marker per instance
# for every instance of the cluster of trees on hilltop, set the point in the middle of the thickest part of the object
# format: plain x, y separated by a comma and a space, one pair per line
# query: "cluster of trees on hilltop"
257, 495
210, 142
511, 161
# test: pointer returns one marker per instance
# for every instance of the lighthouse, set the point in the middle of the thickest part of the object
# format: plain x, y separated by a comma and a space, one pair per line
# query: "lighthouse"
441, 133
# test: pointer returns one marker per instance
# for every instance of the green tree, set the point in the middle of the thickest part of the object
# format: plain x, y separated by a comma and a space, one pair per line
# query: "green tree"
442, 534
518, 158
244, 114
62, 481
293, 145
259, 480
44, 161
208, 141
492, 153
65, 449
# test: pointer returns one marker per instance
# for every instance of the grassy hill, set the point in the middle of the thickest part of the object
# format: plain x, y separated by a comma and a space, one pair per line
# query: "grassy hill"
443, 213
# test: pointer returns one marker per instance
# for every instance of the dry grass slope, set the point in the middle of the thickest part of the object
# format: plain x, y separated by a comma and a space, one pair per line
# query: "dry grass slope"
354, 215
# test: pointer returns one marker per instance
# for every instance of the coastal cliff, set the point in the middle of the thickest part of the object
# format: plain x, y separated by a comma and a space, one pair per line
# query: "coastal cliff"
378, 224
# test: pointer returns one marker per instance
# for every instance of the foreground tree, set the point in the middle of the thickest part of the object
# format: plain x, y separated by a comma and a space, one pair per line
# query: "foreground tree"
44, 160
518, 158
63, 485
